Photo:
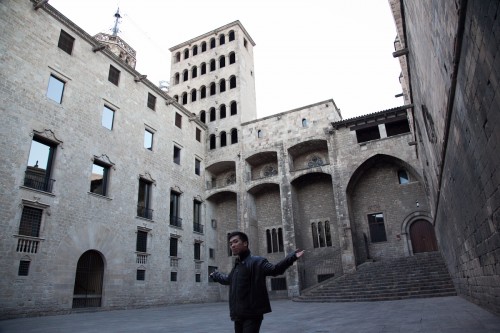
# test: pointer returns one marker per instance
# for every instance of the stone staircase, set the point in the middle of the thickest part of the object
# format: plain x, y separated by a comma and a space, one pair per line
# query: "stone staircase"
419, 276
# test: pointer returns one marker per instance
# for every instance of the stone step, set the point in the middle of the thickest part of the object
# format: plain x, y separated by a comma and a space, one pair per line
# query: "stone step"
422, 275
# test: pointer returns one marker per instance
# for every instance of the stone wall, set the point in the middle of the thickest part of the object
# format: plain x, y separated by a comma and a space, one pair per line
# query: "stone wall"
454, 68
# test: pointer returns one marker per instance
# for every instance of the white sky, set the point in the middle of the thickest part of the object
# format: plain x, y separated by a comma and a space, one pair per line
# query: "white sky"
306, 51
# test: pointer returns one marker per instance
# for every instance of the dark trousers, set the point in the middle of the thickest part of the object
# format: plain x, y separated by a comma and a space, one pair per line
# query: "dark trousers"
247, 325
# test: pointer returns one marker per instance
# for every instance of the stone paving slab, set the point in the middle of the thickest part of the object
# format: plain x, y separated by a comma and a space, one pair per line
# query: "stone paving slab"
440, 315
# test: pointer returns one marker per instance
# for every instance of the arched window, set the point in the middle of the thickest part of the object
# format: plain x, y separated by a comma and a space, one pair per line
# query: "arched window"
232, 58
195, 50
212, 65
212, 141
177, 57
403, 176
212, 89
305, 123
184, 98
222, 40
212, 43
222, 111
176, 97
193, 95
274, 240
231, 35
203, 116
222, 85
194, 72
234, 108
186, 53
212, 114
232, 82
203, 68
223, 139
234, 136
203, 92
203, 47
185, 75
259, 134
176, 78
321, 234
222, 62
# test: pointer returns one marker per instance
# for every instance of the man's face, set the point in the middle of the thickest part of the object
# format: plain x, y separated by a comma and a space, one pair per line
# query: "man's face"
237, 245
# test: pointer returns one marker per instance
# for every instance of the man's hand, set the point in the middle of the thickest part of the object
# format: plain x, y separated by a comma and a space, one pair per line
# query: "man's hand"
299, 253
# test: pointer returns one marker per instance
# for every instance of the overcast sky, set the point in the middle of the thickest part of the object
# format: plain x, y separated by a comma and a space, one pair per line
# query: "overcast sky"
306, 51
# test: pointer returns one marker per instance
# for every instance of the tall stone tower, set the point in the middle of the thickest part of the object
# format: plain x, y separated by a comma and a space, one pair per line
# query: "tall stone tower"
212, 75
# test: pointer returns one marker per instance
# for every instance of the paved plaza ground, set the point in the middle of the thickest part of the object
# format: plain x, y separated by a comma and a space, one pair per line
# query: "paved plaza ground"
443, 315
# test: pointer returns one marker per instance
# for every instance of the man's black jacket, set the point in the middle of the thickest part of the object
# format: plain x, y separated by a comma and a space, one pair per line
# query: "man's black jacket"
248, 296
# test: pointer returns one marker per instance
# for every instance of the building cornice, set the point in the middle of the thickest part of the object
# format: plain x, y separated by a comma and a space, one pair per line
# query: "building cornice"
213, 32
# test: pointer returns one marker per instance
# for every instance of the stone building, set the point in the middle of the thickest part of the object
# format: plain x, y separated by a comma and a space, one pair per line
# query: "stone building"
449, 53
118, 194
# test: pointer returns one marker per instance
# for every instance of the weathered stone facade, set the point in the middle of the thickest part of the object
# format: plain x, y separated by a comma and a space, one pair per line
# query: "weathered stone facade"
451, 69
178, 177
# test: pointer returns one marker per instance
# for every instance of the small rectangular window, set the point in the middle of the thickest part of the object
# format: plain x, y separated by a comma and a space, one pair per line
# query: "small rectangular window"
178, 120
148, 139
211, 253
151, 101
108, 116
31, 221
173, 276
198, 277
24, 267
368, 134
177, 155
197, 166
173, 246
99, 178
377, 228
55, 89
278, 284
198, 134
141, 275
397, 127
66, 42
114, 75
142, 241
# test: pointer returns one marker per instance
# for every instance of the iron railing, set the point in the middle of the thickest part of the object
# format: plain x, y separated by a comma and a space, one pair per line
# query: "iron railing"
144, 212
38, 181
27, 244
197, 227
175, 221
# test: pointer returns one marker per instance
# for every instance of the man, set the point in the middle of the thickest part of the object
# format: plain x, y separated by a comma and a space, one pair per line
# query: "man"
248, 299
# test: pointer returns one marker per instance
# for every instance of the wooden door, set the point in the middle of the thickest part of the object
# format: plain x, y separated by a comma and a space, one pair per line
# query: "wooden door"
423, 238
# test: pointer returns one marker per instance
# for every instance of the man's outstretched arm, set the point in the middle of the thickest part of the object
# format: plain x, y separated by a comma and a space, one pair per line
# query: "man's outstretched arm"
280, 267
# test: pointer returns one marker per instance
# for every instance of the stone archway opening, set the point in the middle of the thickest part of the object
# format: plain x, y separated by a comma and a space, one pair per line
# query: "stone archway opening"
423, 237
87, 291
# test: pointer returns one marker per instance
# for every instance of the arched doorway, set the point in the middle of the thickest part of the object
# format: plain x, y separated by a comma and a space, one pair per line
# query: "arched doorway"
88, 280
423, 238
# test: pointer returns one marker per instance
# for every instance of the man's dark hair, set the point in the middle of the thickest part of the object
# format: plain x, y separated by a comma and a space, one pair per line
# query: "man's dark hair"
241, 235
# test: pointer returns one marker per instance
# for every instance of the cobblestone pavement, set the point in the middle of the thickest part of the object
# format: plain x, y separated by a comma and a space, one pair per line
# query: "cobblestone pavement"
443, 315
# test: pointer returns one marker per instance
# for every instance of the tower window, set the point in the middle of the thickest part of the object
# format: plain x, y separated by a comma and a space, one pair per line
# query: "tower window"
403, 177
186, 53
114, 75
195, 50
55, 89
222, 62
234, 108
232, 82
212, 43
231, 35
203, 47
66, 42
223, 139
222, 85
222, 40
232, 58
212, 65
234, 136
